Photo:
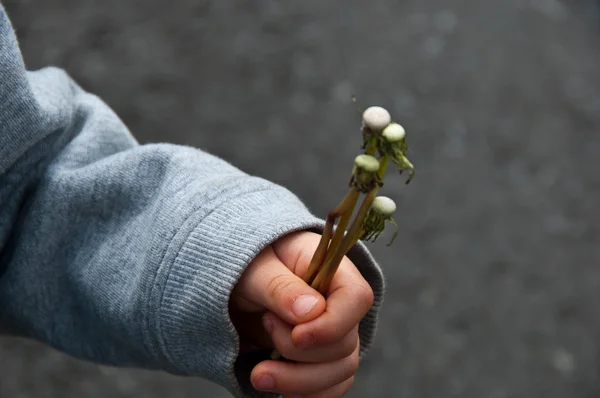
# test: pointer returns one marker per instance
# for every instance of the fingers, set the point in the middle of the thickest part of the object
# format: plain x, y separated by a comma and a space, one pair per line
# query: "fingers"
268, 283
303, 378
350, 298
296, 250
281, 336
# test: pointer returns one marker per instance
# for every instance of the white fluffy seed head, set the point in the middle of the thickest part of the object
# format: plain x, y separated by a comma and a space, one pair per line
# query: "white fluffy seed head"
376, 118
367, 163
384, 206
394, 132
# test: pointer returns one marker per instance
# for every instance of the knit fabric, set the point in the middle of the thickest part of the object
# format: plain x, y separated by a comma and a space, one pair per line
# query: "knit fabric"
126, 254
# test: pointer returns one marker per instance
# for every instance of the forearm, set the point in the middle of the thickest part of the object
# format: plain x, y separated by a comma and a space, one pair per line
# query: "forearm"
125, 254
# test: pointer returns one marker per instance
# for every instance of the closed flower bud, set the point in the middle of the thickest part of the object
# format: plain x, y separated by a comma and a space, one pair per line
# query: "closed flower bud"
384, 206
381, 211
394, 133
376, 118
367, 163
365, 175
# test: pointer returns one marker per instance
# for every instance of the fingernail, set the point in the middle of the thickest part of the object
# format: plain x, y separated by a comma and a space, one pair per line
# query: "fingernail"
265, 382
268, 323
304, 304
306, 341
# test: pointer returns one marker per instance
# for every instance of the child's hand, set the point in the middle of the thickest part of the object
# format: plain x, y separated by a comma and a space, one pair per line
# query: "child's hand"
321, 336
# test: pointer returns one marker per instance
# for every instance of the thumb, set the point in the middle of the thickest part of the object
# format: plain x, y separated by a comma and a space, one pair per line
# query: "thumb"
267, 284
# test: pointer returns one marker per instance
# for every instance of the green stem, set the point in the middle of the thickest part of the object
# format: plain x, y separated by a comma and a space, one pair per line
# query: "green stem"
327, 271
340, 230
325, 275
370, 150
346, 206
345, 210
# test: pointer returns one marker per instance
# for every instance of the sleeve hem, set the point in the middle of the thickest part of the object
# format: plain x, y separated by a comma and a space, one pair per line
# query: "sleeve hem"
195, 333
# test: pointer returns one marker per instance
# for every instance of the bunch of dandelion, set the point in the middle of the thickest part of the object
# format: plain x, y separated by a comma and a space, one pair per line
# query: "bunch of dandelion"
384, 142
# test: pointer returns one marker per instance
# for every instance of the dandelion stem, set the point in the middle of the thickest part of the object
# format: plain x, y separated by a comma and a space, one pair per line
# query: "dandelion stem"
345, 206
379, 135
344, 209
326, 273
340, 229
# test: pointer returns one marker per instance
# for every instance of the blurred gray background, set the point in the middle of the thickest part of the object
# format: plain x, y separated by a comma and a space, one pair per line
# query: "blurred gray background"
494, 282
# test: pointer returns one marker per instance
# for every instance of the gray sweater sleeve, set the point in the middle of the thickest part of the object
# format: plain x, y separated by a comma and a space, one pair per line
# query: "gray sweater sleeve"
126, 254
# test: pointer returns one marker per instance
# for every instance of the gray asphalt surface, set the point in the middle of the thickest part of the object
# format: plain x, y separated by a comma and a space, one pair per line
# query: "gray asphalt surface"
494, 281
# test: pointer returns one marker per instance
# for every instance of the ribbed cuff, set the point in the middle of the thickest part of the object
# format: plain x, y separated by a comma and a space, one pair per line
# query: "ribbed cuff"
195, 331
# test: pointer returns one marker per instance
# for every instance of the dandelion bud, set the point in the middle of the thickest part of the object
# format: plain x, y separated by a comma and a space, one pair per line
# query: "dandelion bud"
365, 175
394, 133
384, 206
376, 118
381, 211
367, 162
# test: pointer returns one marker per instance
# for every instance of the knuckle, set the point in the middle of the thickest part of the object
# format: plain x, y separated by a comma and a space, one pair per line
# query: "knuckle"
348, 385
279, 285
350, 382
349, 344
286, 348
304, 257
329, 336
351, 365
366, 294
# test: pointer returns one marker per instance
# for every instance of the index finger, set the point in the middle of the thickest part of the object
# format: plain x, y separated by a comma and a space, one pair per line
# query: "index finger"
349, 299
